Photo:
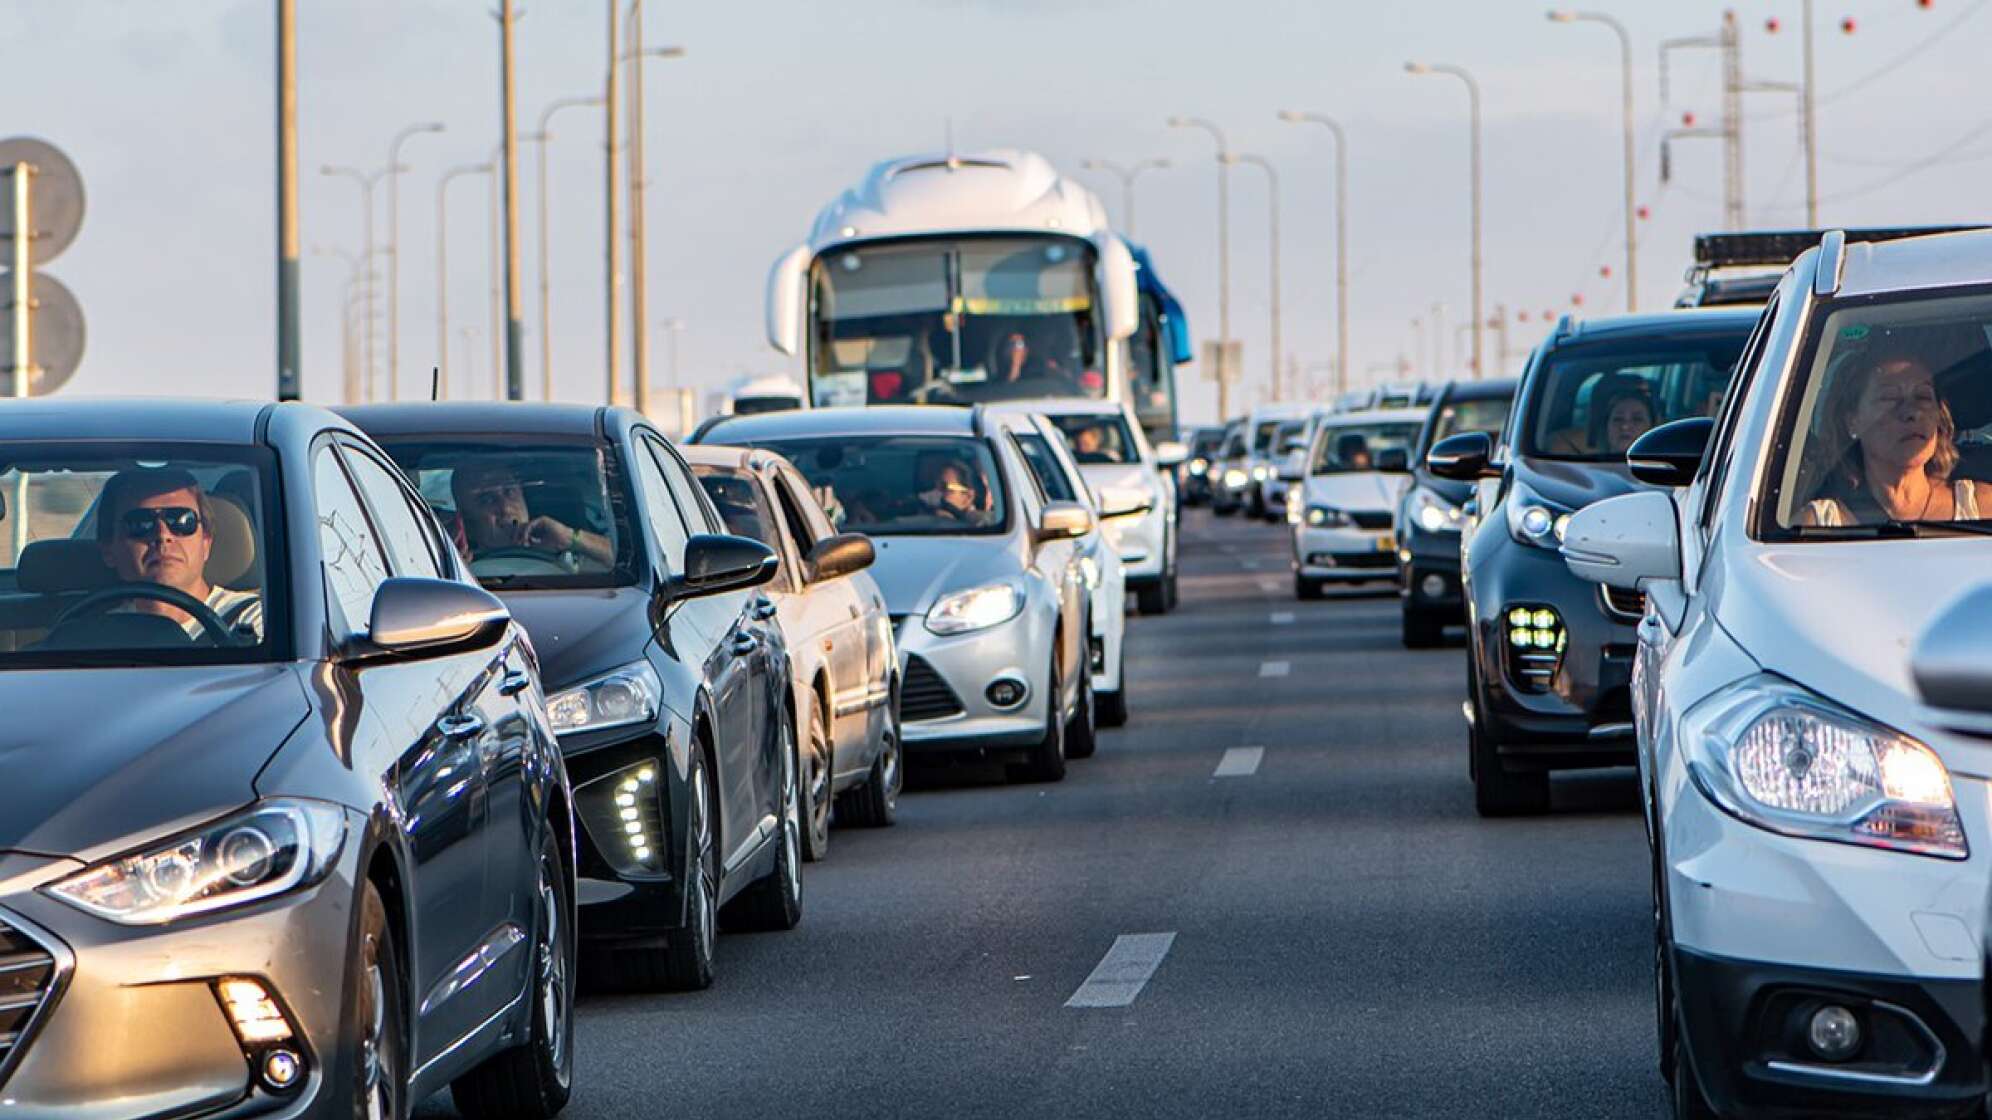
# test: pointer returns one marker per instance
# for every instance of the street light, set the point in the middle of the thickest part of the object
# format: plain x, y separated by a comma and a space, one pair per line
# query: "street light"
1631, 204
1473, 105
639, 295
1341, 239
443, 271
1127, 176
1223, 251
1273, 210
545, 296
366, 180
394, 170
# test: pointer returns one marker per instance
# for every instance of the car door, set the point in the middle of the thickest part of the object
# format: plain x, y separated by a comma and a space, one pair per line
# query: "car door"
1056, 560
427, 720
834, 621
873, 656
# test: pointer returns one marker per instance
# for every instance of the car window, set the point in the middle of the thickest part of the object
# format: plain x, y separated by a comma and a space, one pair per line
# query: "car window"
1481, 414
1098, 439
409, 547
1715, 463
806, 500
1348, 448
798, 523
741, 504
1594, 399
683, 488
1037, 454
354, 564
661, 509
902, 485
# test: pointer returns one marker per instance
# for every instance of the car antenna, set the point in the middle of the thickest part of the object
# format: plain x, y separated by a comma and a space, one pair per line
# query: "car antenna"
435, 383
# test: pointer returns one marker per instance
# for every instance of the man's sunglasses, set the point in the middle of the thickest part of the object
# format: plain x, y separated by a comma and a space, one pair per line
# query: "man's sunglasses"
140, 524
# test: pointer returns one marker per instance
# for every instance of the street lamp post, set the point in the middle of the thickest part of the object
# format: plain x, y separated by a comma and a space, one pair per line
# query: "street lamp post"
515, 363
639, 293
288, 373
1631, 202
394, 170
443, 270
1223, 252
366, 180
611, 211
1273, 252
1127, 176
545, 295
1341, 239
1473, 106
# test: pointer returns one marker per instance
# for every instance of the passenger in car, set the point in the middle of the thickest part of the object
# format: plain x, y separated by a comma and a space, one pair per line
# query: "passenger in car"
1900, 448
492, 514
1621, 412
157, 525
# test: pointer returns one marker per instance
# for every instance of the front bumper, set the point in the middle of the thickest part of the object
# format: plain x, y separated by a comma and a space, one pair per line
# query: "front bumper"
622, 903
1768, 927
131, 1025
945, 707
1344, 554
1422, 558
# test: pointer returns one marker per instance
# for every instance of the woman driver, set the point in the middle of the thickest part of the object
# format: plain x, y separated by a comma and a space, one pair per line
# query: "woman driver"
1903, 448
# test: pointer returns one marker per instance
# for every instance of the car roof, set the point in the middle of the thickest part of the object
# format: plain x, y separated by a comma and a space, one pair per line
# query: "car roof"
1282, 410
1943, 260
1481, 390
885, 419
480, 417
1059, 406
1693, 320
162, 420
1376, 416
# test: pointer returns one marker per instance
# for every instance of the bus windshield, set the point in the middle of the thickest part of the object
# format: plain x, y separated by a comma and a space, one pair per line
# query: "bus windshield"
955, 320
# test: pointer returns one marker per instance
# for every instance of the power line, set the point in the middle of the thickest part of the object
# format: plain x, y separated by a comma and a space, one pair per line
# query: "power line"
1910, 169
1892, 64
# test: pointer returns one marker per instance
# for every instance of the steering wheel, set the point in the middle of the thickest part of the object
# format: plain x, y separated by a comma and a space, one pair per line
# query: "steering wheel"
100, 602
523, 562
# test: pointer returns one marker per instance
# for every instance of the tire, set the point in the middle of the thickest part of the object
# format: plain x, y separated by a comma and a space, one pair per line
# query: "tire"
533, 1080
1152, 598
1047, 761
1422, 630
817, 754
875, 802
1082, 737
1305, 588
774, 901
1110, 708
379, 1014
1173, 587
1496, 792
1222, 511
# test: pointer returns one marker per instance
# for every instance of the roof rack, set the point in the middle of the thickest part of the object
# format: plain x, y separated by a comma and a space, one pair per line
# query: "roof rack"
1781, 247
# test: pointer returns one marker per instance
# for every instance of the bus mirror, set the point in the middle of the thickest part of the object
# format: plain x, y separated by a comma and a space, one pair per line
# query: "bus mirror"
1118, 291
785, 282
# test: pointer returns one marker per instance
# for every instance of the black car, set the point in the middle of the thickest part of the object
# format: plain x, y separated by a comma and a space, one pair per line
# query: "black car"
667, 679
283, 827
1230, 471
1194, 490
1433, 509
1549, 662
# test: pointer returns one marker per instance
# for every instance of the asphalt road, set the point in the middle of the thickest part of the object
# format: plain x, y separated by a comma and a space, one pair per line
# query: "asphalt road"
1349, 938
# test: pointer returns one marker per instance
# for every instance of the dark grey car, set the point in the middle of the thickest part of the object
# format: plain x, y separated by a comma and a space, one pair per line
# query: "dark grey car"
283, 828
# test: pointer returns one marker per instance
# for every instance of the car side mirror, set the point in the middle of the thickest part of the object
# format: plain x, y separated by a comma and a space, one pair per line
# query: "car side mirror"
414, 616
1624, 541
1393, 460
1952, 664
840, 555
1463, 458
1670, 454
716, 562
786, 281
1062, 521
1170, 453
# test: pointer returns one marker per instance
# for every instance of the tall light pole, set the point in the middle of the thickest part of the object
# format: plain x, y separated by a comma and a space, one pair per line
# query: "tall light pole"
515, 341
612, 213
1223, 254
1341, 239
1127, 176
672, 329
288, 376
348, 353
639, 289
1273, 211
1626, 125
443, 269
366, 180
394, 170
545, 296
1473, 105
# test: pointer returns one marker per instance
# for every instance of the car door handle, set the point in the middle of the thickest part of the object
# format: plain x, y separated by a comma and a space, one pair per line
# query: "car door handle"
744, 644
513, 682
763, 609
460, 726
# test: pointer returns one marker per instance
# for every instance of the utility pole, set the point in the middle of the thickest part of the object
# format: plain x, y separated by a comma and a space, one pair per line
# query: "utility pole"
612, 212
1473, 109
1273, 254
515, 342
288, 376
1811, 128
1730, 132
394, 170
639, 268
545, 287
1626, 126
443, 269
1341, 240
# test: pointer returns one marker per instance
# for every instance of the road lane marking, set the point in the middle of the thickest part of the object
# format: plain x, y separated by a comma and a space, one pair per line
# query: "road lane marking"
1239, 762
1282, 618
1249, 565
1124, 971
1275, 668
1270, 586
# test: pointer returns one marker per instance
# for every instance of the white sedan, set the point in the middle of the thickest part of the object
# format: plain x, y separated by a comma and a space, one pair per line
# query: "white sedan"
1343, 495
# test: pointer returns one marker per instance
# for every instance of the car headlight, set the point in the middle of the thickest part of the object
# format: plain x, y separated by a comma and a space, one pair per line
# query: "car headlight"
1328, 517
1199, 465
1260, 474
268, 849
1781, 758
978, 608
1434, 514
1234, 478
1533, 521
628, 695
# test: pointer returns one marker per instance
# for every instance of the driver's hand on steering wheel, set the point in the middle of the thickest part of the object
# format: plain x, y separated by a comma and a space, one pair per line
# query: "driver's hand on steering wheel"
546, 533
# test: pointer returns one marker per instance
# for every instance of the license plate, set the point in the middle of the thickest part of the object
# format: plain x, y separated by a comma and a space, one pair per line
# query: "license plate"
1386, 543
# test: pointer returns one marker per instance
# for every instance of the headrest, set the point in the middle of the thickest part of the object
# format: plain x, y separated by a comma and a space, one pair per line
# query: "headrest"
232, 560
56, 566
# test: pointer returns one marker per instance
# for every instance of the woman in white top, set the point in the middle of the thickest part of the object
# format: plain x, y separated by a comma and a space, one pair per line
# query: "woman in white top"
1901, 452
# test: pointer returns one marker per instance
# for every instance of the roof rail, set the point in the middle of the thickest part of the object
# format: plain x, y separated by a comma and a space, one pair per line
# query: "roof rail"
1566, 326
1832, 257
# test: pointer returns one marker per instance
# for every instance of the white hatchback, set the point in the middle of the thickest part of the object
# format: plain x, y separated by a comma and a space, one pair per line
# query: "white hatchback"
1343, 495
1813, 698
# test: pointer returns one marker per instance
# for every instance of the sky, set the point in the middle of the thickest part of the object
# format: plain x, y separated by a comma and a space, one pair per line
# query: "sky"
168, 110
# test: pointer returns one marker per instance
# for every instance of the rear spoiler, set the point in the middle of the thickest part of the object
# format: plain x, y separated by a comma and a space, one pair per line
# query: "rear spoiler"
1781, 247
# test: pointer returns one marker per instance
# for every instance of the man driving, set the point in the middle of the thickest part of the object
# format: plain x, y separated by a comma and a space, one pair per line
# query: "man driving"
156, 526
492, 511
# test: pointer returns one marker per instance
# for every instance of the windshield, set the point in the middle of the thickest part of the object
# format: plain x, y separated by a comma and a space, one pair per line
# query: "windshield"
1893, 425
1206, 442
1592, 401
902, 485
955, 321
137, 554
528, 513
1487, 414
1262, 436
1097, 439
1348, 448
740, 504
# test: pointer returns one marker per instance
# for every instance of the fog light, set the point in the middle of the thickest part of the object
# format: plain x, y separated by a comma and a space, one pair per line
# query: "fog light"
1834, 1033
1536, 641
1005, 693
256, 1017
622, 813
281, 1069
1432, 586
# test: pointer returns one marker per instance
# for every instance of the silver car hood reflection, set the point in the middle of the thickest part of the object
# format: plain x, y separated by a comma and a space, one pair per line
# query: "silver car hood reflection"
912, 572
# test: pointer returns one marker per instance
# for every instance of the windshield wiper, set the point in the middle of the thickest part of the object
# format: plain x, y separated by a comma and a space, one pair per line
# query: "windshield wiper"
1884, 530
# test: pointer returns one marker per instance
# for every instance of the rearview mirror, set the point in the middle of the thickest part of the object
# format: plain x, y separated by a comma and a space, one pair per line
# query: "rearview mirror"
716, 562
1952, 664
1393, 460
414, 615
1465, 457
840, 556
1119, 291
1062, 521
1670, 454
1624, 540
1170, 453
784, 311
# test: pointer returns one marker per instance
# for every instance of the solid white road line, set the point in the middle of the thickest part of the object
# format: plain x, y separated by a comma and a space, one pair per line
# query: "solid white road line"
1124, 971
1282, 618
1275, 668
1239, 762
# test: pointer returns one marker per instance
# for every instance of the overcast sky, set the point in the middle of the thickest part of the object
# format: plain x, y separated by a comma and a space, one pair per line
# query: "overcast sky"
167, 108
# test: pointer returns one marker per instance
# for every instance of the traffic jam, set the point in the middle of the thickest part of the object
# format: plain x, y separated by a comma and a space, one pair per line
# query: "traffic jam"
950, 725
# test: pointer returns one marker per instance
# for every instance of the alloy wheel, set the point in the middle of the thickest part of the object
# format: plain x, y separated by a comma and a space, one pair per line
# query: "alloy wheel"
705, 886
553, 978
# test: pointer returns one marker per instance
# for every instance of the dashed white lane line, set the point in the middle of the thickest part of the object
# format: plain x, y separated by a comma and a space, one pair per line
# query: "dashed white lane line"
1239, 762
1270, 586
1282, 618
1124, 971
1249, 565
1275, 668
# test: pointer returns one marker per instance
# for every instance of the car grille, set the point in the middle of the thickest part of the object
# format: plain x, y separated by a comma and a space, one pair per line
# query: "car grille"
1370, 518
923, 694
1622, 603
27, 975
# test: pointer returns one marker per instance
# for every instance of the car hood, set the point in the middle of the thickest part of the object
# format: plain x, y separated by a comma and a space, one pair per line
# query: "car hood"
582, 634
1840, 618
92, 760
912, 572
1102, 477
1360, 490
1576, 485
